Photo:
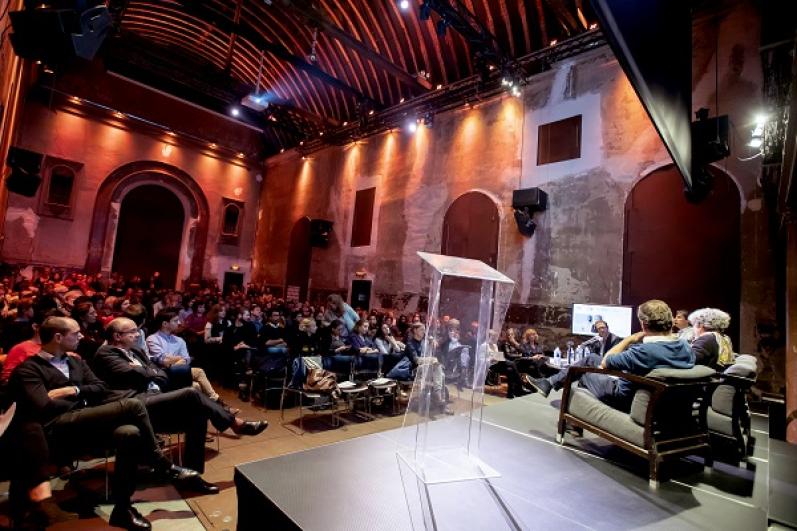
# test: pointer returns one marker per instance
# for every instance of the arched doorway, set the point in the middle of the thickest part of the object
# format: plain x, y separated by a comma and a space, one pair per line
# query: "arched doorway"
685, 254
112, 192
470, 230
299, 256
149, 234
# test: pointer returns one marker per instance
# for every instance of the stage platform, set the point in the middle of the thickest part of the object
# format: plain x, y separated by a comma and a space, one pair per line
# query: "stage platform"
587, 484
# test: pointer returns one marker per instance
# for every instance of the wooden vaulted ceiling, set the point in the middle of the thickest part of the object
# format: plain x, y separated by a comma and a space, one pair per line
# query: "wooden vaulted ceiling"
368, 53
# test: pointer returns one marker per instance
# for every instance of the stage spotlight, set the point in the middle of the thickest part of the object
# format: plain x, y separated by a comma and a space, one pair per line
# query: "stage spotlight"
235, 111
412, 126
755, 142
515, 91
404, 5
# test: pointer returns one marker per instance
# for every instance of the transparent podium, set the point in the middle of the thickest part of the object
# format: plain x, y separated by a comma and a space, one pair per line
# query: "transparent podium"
440, 438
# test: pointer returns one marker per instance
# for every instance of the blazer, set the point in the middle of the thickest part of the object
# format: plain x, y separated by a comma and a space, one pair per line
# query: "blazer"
112, 364
35, 377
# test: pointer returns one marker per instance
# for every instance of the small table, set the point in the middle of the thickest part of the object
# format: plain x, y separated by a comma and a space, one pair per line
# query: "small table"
351, 394
381, 389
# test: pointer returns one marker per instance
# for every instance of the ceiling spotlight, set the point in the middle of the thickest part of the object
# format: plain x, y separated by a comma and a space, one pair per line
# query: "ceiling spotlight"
553, 42
371, 112
235, 111
756, 142
404, 4
515, 91
412, 126
345, 123
212, 145
74, 99
593, 26
171, 133
492, 67
257, 101
401, 100
321, 133
166, 150
282, 150
301, 142
241, 155
119, 115
439, 86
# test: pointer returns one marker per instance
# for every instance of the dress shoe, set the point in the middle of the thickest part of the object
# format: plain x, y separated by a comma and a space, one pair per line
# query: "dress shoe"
542, 385
176, 473
198, 485
129, 518
250, 427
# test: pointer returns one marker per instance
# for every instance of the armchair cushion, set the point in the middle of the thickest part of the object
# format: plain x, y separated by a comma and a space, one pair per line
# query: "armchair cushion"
718, 422
722, 399
697, 372
639, 406
585, 406
741, 369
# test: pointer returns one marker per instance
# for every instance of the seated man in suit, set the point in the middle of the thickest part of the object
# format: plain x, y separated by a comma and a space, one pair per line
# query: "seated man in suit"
79, 413
653, 348
604, 341
123, 366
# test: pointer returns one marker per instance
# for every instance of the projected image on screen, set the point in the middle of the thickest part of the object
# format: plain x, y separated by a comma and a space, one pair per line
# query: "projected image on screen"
618, 318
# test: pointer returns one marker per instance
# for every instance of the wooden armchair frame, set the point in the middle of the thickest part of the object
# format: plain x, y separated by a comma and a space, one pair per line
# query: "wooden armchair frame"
660, 441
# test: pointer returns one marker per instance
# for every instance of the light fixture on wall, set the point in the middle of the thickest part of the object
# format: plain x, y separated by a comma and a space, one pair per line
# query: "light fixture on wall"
757, 135
235, 267
361, 273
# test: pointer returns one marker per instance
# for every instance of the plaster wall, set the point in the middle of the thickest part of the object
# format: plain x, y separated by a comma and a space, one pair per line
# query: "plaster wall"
576, 253
102, 147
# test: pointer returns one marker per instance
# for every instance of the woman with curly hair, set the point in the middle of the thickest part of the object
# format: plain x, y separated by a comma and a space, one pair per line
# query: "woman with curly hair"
711, 346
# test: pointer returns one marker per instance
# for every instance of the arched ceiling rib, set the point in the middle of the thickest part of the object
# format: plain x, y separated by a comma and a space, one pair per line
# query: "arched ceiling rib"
369, 53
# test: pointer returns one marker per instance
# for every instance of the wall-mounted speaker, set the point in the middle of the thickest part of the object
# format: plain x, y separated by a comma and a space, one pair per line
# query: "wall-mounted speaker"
25, 167
320, 230
526, 202
534, 199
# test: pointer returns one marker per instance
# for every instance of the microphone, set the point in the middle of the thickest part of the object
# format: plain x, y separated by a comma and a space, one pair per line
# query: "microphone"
595, 339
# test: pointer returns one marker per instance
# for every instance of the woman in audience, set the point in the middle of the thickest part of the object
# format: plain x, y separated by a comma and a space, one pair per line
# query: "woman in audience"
338, 357
711, 346
368, 356
389, 347
213, 351
500, 365
195, 321
337, 309
530, 344
90, 327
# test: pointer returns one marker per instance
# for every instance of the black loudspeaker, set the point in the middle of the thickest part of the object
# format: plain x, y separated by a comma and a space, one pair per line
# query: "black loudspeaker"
25, 167
532, 198
55, 34
525, 224
526, 202
320, 230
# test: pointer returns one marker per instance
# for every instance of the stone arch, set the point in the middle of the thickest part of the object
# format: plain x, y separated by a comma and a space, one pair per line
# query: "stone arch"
476, 215
129, 176
686, 254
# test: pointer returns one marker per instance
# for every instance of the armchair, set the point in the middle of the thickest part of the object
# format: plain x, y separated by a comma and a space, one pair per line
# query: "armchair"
667, 417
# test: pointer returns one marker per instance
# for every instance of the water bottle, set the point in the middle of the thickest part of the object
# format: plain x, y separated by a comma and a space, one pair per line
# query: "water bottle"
579, 353
557, 357
571, 355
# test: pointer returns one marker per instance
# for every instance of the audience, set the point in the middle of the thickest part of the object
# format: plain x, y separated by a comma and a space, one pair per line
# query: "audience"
161, 376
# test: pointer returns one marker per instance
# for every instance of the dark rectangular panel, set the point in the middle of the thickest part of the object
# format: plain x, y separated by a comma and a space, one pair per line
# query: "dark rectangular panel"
363, 217
652, 40
558, 141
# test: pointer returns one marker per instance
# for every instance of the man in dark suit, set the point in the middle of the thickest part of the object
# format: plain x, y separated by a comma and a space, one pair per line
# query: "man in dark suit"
604, 341
124, 367
78, 413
